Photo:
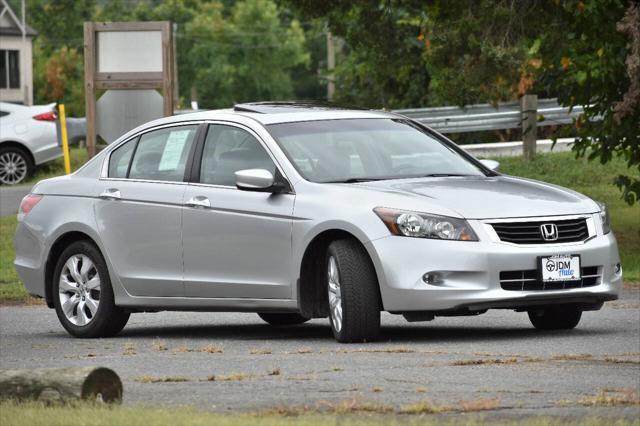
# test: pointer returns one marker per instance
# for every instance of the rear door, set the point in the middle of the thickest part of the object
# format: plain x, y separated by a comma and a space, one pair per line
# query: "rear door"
138, 213
237, 244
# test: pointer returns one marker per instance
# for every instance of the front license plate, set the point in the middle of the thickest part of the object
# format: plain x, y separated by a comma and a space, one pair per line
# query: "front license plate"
561, 267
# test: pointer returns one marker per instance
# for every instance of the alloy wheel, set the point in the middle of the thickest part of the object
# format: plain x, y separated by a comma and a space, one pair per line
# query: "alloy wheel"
13, 168
79, 289
335, 295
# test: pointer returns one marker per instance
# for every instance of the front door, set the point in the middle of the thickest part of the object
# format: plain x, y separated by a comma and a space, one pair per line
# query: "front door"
237, 244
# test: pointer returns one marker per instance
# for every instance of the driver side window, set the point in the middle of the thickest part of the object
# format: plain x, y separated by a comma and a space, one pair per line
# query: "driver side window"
228, 149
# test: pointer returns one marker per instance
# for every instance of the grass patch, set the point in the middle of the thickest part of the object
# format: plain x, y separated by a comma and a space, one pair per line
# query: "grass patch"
611, 398
466, 362
159, 345
157, 379
596, 181
11, 288
377, 350
39, 414
233, 377
212, 349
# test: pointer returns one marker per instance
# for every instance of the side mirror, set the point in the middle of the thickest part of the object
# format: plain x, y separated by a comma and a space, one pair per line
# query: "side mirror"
258, 180
491, 165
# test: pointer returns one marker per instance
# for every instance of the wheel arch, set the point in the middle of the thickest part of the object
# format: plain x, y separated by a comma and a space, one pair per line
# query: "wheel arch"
21, 146
312, 297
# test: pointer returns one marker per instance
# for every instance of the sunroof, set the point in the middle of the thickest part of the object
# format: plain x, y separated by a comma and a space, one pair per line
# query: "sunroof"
291, 106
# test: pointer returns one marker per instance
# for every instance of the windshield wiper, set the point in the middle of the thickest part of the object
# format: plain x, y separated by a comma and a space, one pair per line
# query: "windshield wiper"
443, 175
352, 180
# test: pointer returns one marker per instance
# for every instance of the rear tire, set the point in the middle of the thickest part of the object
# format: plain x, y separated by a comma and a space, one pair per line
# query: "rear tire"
555, 319
16, 165
354, 295
282, 318
83, 296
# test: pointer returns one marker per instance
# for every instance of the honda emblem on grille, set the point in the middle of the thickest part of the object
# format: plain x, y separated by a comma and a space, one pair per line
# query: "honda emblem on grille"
549, 231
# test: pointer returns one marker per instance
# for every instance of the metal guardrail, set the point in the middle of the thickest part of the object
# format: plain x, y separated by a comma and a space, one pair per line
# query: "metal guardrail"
76, 130
449, 119
482, 117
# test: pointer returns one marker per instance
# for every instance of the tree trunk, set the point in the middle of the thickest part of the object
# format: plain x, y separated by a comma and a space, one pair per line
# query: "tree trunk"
61, 384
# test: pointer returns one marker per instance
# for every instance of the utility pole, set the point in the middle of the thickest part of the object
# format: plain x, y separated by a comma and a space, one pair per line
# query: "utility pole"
176, 92
331, 64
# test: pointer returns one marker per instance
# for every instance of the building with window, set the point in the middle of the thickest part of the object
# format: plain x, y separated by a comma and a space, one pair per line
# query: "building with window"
16, 67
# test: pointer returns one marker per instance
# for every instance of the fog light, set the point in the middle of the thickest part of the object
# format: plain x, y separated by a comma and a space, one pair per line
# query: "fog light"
431, 278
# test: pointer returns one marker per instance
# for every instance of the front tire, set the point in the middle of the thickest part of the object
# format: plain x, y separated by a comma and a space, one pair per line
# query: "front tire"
82, 293
353, 293
282, 318
555, 319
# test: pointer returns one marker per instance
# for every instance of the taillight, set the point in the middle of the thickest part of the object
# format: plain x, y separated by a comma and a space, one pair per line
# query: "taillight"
29, 202
46, 116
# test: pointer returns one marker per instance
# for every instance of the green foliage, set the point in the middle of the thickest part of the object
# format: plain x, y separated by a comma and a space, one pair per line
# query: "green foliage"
58, 51
585, 65
410, 53
244, 54
227, 51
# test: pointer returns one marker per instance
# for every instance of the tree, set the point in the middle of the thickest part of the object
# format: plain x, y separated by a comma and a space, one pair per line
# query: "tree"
62, 80
411, 53
595, 62
243, 54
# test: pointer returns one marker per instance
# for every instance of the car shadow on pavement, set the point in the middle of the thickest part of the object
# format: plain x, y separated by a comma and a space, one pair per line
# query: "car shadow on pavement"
389, 334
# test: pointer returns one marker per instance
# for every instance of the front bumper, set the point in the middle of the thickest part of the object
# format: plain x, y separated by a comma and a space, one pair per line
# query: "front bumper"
468, 273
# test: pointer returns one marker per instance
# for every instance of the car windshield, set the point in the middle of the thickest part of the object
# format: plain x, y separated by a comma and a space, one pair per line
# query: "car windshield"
355, 150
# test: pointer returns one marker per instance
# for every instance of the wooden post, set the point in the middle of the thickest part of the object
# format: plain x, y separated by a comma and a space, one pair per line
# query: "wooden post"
61, 384
90, 88
331, 64
167, 66
529, 110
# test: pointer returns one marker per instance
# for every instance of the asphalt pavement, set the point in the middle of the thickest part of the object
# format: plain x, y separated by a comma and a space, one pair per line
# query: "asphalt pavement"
10, 197
234, 361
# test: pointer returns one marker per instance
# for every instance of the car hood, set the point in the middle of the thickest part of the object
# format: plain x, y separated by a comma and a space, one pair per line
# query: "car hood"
492, 197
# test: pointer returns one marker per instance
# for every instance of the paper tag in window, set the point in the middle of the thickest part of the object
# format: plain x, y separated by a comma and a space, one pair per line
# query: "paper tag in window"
173, 149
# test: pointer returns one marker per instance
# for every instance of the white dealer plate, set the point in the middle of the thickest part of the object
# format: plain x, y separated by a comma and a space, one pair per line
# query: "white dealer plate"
561, 267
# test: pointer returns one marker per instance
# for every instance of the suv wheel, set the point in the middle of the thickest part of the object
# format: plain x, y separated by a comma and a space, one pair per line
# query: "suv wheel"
555, 319
353, 293
82, 293
15, 165
282, 318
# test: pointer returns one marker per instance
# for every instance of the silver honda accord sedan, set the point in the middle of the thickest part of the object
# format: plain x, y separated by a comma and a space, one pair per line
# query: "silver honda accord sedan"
299, 211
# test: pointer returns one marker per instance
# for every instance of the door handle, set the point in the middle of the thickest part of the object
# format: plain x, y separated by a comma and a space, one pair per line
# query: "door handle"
198, 201
111, 194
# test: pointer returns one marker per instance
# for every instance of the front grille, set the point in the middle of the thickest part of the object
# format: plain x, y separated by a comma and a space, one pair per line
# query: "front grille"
528, 280
571, 230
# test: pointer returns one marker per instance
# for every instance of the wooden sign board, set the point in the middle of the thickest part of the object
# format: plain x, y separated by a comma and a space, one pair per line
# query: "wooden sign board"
126, 55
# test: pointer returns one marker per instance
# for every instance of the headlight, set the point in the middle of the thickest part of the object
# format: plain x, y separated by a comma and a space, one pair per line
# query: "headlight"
604, 217
420, 225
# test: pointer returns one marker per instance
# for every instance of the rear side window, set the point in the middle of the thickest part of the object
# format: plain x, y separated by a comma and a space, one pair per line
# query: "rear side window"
120, 159
3, 113
162, 154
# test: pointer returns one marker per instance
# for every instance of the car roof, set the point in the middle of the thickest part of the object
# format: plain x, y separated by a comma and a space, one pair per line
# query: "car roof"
290, 111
